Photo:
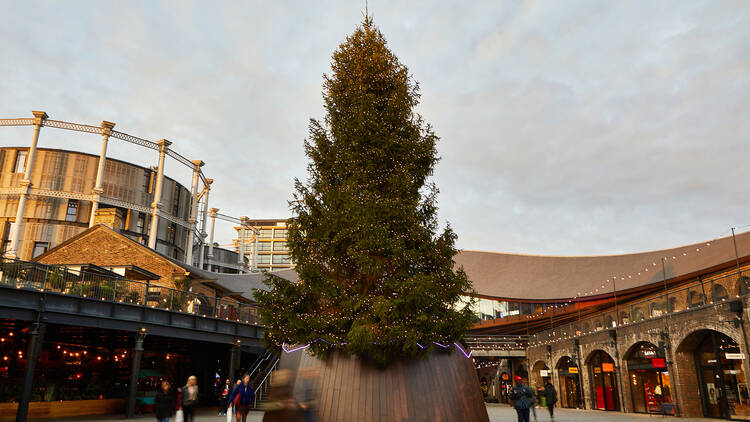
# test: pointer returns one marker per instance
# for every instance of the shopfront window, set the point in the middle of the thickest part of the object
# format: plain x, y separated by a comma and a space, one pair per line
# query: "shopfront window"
651, 385
570, 387
603, 381
724, 391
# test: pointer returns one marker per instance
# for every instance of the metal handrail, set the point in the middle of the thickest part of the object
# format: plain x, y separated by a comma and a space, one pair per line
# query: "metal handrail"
96, 286
263, 382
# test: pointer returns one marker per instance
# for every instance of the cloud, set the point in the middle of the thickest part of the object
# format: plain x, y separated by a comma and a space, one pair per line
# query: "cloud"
567, 128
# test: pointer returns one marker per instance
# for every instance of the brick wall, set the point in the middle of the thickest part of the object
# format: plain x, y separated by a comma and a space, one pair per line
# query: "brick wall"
681, 333
103, 247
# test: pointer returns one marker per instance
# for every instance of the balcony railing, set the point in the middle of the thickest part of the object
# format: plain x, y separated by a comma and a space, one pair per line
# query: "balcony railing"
80, 283
696, 295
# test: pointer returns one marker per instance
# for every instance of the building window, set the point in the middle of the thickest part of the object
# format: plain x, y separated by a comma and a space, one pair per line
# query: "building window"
281, 259
279, 246
176, 200
264, 259
39, 248
266, 233
6, 236
264, 246
171, 232
20, 161
72, 213
140, 224
280, 233
147, 179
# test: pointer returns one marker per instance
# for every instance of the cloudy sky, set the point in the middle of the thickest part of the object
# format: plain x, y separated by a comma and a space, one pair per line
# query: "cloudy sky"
576, 127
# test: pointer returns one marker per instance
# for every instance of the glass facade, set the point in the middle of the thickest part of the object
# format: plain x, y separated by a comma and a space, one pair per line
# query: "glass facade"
487, 309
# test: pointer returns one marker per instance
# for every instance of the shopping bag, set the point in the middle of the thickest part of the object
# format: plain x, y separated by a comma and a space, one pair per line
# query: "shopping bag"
230, 413
179, 416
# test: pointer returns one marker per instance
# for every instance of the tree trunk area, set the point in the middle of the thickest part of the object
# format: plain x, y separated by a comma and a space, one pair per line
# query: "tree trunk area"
441, 387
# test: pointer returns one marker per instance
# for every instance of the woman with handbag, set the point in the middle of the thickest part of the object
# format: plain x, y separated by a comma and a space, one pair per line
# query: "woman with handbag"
242, 398
190, 398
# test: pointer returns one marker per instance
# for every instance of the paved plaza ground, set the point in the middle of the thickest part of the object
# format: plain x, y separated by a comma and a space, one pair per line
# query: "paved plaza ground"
498, 413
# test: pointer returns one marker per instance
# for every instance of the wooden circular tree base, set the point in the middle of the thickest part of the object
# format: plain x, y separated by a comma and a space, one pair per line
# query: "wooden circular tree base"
441, 387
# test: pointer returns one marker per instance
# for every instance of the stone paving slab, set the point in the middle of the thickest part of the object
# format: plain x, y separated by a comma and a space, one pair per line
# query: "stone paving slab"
498, 413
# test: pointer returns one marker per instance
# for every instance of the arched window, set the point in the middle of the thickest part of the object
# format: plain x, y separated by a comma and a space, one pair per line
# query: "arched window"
719, 293
696, 298
638, 314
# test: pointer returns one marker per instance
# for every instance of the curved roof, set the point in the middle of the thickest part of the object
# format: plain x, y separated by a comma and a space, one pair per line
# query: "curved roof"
505, 275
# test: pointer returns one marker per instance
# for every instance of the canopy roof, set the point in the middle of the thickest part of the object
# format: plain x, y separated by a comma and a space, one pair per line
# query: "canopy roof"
536, 277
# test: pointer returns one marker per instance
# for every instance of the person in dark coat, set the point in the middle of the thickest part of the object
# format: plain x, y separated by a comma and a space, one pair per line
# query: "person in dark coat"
164, 402
224, 397
550, 395
246, 396
521, 396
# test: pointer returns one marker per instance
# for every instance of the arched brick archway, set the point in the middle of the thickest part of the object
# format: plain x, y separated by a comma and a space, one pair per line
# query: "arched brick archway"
711, 373
536, 379
647, 383
570, 394
603, 384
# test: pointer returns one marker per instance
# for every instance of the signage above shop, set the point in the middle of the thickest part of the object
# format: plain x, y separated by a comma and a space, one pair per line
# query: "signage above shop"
573, 370
597, 370
740, 356
658, 363
608, 367
544, 373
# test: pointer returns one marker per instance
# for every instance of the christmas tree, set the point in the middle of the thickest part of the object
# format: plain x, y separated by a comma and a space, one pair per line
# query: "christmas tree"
376, 279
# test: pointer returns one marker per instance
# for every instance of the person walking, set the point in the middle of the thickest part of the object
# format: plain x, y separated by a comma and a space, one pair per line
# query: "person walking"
532, 404
281, 405
190, 398
218, 386
550, 394
242, 398
164, 402
226, 389
308, 391
521, 396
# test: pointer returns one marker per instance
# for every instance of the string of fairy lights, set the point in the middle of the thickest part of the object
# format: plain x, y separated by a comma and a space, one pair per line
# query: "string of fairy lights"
293, 349
649, 268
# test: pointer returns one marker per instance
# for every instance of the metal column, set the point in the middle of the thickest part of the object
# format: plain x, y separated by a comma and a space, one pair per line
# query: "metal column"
36, 338
156, 205
234, 362
243, 235
39, 118
207, 190
197, 164
135, 368
213, 212
98, 189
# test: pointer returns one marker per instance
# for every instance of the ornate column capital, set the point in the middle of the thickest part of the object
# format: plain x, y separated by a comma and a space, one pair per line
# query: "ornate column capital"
39, 117
213, 212
107, 127
163, 143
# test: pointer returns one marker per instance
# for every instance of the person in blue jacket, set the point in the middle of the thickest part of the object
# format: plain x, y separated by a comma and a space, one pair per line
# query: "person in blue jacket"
242, 398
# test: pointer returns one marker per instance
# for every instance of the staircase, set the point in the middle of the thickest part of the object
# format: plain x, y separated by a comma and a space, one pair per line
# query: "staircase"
260, 377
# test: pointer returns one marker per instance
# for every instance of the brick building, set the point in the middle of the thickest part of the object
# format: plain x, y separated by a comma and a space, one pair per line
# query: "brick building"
106, 248
655, 332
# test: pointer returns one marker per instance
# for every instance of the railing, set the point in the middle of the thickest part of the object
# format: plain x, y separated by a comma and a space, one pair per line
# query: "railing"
261, 390
72, 282
697, 295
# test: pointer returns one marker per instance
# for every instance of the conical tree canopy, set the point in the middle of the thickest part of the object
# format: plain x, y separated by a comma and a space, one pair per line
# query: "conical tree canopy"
376, 277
